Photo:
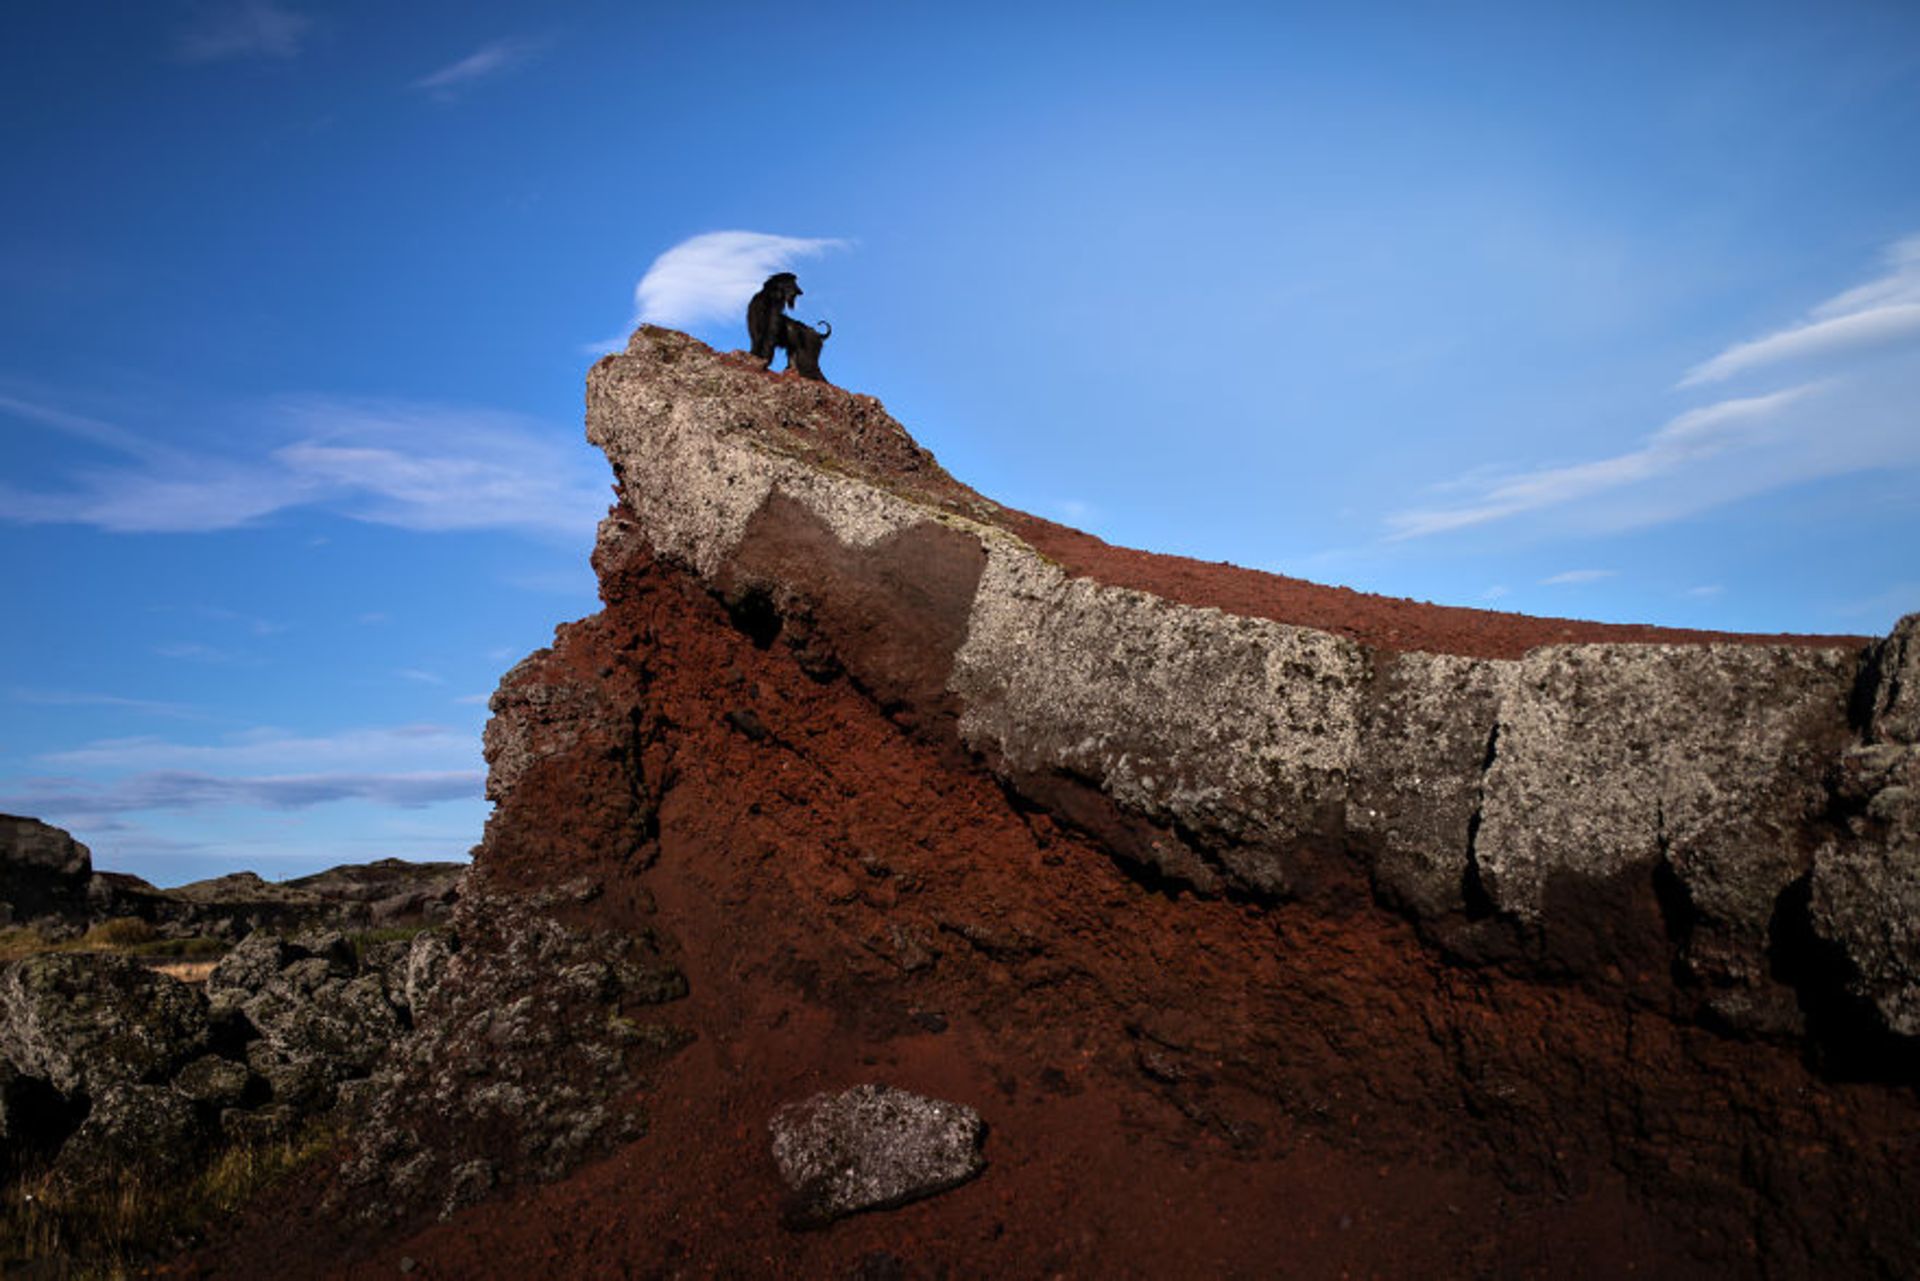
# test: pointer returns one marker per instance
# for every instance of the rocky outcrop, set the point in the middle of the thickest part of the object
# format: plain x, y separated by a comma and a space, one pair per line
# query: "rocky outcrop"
47, 881
1254, 932
1577, 796
43, 871
112, 1071
529, 1038
1865, 885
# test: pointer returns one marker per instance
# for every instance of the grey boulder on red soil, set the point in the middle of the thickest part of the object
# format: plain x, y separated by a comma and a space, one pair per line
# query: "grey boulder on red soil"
869, 1148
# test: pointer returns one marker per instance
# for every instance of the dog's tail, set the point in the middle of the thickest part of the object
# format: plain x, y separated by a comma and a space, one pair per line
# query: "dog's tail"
826, 330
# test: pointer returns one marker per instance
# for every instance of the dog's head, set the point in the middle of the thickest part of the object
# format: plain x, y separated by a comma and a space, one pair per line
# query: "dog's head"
783, 285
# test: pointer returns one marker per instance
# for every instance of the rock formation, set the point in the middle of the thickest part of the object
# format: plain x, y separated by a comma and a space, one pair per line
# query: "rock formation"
47, 881
1257, 920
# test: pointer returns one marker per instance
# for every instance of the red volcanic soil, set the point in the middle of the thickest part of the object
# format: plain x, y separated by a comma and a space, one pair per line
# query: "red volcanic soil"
1387, 622
1174, 1086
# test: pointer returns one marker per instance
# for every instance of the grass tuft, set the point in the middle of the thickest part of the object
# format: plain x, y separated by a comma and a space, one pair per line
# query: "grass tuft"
124, 1224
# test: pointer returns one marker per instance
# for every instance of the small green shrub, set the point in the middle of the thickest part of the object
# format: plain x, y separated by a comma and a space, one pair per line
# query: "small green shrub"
364, 939
197, 948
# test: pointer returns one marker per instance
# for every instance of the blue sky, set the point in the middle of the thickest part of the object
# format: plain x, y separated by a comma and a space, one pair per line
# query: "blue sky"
1608, 311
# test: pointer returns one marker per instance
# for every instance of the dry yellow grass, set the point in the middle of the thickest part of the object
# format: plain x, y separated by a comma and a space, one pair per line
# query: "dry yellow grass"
127, 935
126, 1225
186, 971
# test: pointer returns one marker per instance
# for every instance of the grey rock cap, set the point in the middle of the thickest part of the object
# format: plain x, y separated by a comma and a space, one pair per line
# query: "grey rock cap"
871, 1147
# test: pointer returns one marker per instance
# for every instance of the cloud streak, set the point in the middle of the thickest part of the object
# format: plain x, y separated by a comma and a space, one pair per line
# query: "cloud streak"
185, 790
1883, 312
272, 751
415, 466
83, 698
710, 277
1858, 416
405, 765
484, 63
1692, 437
250, 29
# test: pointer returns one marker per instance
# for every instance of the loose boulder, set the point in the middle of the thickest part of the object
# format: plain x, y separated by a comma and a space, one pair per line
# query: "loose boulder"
84, 1021
143, 1131
869, 1148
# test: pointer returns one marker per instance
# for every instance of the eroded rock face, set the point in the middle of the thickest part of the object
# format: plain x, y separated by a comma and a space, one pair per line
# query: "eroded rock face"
869, 1148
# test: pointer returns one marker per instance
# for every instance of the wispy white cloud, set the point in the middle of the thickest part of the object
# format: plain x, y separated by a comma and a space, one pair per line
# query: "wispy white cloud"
416, 466
1883, 312
403, 765
370, 749
483, 63
1690, 438
248, 29
1575, 576
1875, 327
82, 698
1860, 415
195, 652
185, 790
1706, 591
420, 676
710, 277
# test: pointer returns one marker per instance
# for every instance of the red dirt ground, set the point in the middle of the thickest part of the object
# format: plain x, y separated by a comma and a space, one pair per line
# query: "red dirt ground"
1387, 622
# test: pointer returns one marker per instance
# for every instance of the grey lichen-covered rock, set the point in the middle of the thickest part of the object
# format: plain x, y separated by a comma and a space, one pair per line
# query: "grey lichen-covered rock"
247, 969
1865, 891
424, 967
319, 1019
212, 1081
871, 1147
1238, 729
1427, 735
523, 1054
144, 1130
1894, 665
1611, 758
83, 1021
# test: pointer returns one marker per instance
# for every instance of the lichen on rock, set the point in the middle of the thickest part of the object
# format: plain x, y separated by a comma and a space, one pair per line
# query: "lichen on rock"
871, 1147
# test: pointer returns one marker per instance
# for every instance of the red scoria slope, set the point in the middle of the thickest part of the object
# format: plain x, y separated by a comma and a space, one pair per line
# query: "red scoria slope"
1175, 1084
